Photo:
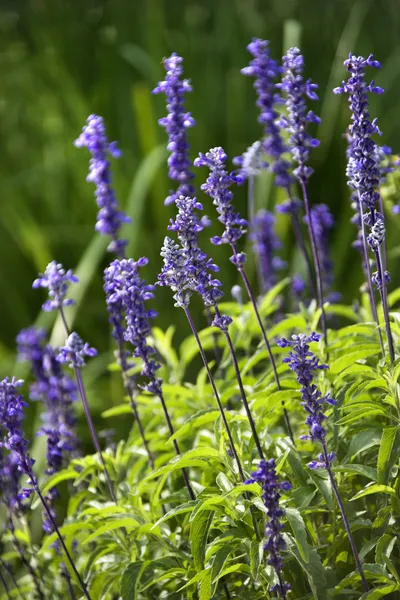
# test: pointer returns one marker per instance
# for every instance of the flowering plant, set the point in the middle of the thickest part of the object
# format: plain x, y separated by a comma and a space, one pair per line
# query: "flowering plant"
219, 489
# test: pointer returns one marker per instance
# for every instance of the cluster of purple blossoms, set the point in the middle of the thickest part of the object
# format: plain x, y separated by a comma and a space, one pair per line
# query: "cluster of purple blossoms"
304, 363
267, 477
56, 279
10, 476
109, 219
298, 118
265, 244
363, 171
217, 187
57, 392
198, 267
126, 288
74, 351
266, 70
322, 222
176, 123
11, 415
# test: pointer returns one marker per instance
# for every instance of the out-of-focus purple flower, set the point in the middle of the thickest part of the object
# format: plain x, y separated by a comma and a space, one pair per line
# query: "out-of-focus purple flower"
298, 287
304, 363
267, 477
251, 162
266, 70
11, 415
75, 351
217, 187
289, 207
296, 90
322, 223
109, 218
126, 285
265, 244
10, 476
56, 279
176, 123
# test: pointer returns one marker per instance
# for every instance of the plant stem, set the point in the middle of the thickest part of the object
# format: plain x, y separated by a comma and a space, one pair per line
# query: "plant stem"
11, 574
301, 243
65, 574
89, 419
217, 351
25, 561
60, 539
344, 517
241, 388
320, 295
222, 412
5, 586
368, 274
175, 444
130, 391
266, 341
281, 593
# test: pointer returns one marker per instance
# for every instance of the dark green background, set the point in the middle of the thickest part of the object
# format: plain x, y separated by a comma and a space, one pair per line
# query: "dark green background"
62, 60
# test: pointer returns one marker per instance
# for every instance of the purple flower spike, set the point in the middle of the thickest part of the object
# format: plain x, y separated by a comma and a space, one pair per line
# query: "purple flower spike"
267, 477
265, 243
74, 351
304, 363
11, 416
322, 222
126, 286
265, 71
296, 90
56, 280
176, 123
109, 218
217, 187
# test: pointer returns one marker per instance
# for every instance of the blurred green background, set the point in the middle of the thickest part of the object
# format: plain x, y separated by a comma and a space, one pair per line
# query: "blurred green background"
64, 59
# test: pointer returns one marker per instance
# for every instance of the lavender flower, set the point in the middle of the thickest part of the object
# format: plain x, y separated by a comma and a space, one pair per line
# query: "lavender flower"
196, 265
364, 172
56, 280
322, 222
11, 416
174, 272
265, 244
267, 477
109, 218
10, 476
304, 363
126, 285
217, 187
251, 162
296, 89
266, 70
74, 351
176, 123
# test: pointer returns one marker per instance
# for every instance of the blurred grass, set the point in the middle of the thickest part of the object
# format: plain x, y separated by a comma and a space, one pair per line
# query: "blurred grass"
61, 60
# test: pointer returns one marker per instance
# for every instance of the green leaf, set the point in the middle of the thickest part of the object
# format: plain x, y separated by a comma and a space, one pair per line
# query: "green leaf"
256, 555
369, 472
296, 522
384, 547
219, 561
202, 417
130, 580
313, 568
224, 484
116, 411
127, 523
178, 510
350, 358
205, 586
385, 452
379, 592
192, 458
198, 536
363, 441
374, 489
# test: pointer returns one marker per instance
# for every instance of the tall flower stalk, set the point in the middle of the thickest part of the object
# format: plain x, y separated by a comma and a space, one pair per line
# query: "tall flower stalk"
56, 280
126, 288
11, 415
265, 71
305, 364
364, 173
109, 222
267, 477
217, 187
300, 145
188, 225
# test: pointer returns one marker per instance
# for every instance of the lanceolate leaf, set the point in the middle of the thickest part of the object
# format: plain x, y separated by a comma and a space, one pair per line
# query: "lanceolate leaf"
299, 530
130, 580
198, 536
385, 452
